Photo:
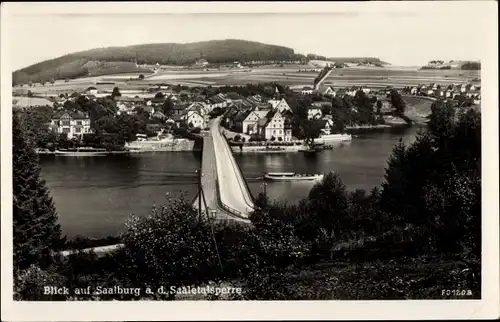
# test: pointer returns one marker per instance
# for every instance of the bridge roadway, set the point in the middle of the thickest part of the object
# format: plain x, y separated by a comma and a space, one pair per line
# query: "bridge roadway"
222, 182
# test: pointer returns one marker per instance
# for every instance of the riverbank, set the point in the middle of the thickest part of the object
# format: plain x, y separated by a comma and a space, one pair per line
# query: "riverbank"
267, 149
174, 145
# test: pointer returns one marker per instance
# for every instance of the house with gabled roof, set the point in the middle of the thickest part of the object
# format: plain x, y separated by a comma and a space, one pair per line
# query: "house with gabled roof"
273, 126
314, 112
218, 100
234, 97
239, 118
194, 119
281, 105
249, 124
74, 124
326, 90
257, 98
178, 109
159, 115
306, 90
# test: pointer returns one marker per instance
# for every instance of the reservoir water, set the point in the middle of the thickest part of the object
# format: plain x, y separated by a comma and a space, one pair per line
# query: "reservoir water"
95, 195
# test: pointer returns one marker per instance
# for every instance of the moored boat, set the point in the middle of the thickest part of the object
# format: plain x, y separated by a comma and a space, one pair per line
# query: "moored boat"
82, 152
291, 176
329, 138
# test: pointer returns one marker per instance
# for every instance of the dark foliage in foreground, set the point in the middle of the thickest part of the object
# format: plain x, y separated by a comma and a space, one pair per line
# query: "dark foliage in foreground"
417, 235
36, 230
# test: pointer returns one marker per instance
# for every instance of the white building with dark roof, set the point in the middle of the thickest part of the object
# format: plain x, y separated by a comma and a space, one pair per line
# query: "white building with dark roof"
73, 124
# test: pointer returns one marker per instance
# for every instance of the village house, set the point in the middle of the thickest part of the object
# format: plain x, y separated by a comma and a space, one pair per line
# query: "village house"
327, 91
281, 105
198, 107
325, 125
231, 113
73, 124
351, 91
177, 120
253, 100
273, 127
128, 99
91, 90
178, 109
314, 112
264, 107
306, 90
217, 101
238, 119
194, 119
233, 97
125, 109
201, 62
249, 124
257, 98
413, 91
365, 90
159, 116
192, 114
149, 109
428, 91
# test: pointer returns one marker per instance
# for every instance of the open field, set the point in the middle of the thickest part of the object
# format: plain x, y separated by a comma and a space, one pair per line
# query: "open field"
23, 101
288, 75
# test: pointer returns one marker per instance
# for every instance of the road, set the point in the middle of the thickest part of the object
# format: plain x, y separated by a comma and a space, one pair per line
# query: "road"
233, 191
209, 182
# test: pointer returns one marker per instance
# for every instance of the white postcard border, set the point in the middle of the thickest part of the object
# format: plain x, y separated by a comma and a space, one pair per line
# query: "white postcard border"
488, 307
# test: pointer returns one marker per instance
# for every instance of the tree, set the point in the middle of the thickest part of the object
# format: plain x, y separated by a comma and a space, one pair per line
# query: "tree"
328, 206
397, 102
116, 92
30, 94
160, 95
35, 221
141, 76
434, 184
379, 107
52, 81
173, 234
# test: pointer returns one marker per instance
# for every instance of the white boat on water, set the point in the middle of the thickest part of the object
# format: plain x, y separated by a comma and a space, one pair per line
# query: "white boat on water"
330, 138
291, 176
81, 152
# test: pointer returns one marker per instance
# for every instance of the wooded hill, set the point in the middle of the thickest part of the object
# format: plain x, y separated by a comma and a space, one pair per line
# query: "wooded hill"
114, 60
214, 51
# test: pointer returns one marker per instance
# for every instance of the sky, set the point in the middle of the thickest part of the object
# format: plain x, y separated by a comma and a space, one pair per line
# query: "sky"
405, 39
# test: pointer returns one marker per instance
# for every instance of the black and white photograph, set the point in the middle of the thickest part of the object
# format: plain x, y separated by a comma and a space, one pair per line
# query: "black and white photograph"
241, 153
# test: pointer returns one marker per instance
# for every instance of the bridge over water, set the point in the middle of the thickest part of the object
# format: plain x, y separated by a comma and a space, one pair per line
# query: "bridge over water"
226, 192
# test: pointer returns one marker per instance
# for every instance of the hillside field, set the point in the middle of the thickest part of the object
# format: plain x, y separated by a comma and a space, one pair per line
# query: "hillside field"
288, 76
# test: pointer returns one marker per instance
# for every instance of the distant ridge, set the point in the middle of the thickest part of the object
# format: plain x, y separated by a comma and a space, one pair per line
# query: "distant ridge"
127, 59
